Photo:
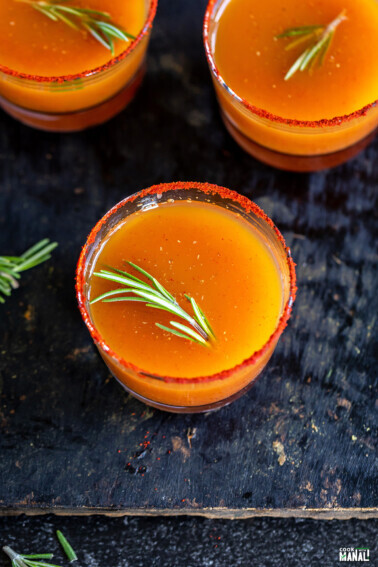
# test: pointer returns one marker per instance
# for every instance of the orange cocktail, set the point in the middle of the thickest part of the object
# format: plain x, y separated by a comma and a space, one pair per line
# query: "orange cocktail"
317, 116
199, 241
61, 69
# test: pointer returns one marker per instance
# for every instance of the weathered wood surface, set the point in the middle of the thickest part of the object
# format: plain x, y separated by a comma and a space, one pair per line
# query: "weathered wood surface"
301, 441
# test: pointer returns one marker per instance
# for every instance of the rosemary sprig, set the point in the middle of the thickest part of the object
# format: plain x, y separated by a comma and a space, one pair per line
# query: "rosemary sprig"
11, 266
317, 37
33, 560
158, 297
71, 555
98, 24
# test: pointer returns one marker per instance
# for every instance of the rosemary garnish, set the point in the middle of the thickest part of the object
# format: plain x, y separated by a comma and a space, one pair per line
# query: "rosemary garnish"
318, 37
98, 24
33, 560
71, 555
157, 296
11, 266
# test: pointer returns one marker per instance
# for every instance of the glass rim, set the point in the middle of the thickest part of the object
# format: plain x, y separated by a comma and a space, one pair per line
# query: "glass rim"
260, 112
90, 72
207, 188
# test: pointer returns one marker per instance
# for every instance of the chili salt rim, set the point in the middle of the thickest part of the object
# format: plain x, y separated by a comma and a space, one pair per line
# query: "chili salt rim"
322, 123
90, 73
207, 188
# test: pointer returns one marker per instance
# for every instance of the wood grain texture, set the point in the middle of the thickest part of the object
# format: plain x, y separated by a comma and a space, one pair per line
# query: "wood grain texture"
71, 439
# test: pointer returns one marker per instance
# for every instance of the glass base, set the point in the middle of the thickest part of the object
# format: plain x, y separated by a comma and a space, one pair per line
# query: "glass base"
78, 120
291, 162
189, 409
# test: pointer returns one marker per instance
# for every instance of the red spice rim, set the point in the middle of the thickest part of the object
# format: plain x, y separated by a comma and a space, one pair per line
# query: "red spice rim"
89, 73
206, 188
322, 123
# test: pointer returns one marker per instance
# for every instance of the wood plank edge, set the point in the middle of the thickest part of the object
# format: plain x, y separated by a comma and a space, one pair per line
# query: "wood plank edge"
211, 513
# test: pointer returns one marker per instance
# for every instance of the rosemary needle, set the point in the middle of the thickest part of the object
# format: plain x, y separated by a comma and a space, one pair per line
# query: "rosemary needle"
98, 24
158, 297
71, 555
317, 38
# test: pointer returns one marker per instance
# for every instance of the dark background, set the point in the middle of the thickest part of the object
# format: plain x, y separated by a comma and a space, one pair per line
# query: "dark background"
61, 416
192, 542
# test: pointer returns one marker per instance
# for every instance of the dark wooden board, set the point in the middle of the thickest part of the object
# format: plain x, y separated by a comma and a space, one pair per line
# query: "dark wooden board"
301, 441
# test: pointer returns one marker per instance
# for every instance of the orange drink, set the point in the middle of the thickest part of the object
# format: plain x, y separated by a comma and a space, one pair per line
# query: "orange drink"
68, 65
297, 82
204, 244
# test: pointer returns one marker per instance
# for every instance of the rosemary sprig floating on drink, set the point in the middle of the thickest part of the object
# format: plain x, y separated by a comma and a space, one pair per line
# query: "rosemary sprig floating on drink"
158, 297
11, 266
317, 37
33, 560
98, 24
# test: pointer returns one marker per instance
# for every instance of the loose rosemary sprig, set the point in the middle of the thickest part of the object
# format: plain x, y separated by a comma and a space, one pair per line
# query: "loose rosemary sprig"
317, 37
33, 560
98, 24
11, 266
158, 297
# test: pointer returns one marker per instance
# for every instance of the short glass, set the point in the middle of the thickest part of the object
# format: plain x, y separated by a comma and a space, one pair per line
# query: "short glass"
75, 102
178, 394
294, 145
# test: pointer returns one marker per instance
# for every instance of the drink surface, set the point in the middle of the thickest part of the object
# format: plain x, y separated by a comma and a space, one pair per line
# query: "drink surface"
32, 43
253, 63
207, 252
